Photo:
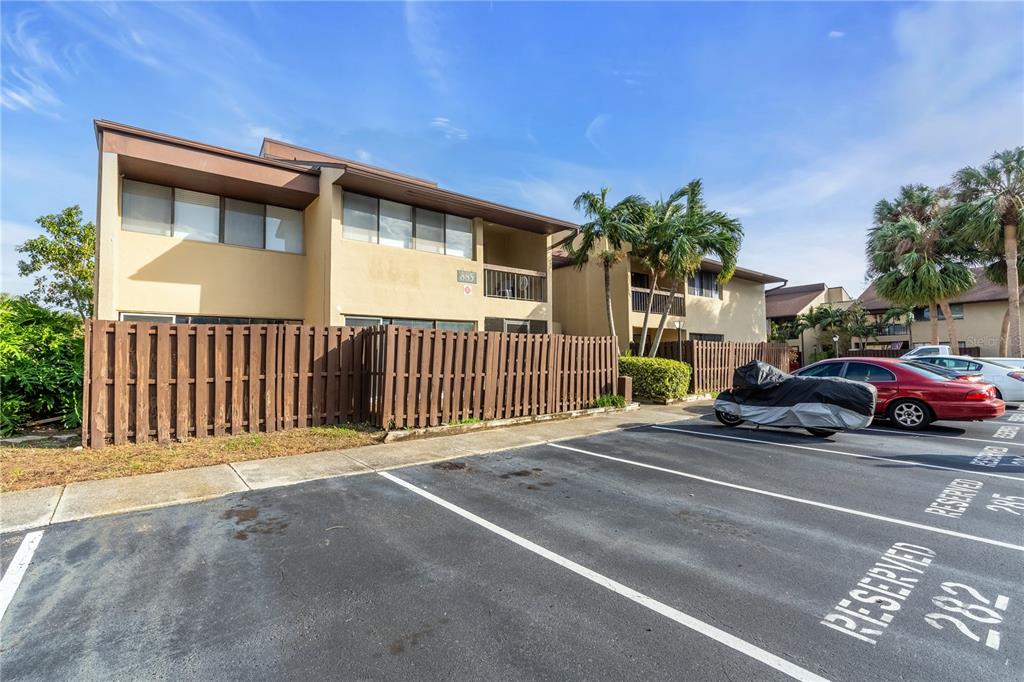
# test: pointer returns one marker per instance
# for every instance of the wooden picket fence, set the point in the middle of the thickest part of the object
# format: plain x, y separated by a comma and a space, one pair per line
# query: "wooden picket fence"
438, 377
147, 381
713, 362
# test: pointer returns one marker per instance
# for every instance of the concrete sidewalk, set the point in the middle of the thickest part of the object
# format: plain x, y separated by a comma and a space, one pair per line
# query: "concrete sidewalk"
24, 509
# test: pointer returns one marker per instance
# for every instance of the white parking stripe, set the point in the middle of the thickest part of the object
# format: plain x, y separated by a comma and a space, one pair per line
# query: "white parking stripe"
936, 435
790, 498
705, 434
686, 620
12, 578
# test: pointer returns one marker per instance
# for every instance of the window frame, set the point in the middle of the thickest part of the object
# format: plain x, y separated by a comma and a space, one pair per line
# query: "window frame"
850, 363
221, 219
840, 365
415, 226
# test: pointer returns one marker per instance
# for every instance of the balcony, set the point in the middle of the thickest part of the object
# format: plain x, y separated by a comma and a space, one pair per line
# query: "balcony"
662, 302
890, 330
515, 284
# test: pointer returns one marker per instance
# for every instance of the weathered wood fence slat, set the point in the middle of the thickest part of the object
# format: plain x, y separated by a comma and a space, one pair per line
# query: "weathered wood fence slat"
148, 381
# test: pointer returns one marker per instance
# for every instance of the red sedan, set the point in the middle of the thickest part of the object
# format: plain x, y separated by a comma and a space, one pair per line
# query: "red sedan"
912, 396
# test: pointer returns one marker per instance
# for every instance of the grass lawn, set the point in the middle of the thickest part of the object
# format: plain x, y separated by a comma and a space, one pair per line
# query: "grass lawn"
34, 466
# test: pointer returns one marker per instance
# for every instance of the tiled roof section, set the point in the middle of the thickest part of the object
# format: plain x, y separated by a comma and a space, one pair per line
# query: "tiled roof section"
984, 290
791, 301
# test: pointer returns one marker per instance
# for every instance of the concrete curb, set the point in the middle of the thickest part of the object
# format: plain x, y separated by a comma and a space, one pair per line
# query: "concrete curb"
25, 509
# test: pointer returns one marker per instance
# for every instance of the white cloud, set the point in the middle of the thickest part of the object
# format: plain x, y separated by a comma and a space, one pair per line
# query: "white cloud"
424, 36
449, 131
595, 131
257, 133
953, 97
32, 64
834, 35
364, 156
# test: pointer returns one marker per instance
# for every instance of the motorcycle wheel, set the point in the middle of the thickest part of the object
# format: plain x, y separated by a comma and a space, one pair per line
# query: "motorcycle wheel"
728, 419
822, 433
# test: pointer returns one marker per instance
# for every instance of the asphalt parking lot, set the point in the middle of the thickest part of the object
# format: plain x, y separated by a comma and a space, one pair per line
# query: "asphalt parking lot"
683, 551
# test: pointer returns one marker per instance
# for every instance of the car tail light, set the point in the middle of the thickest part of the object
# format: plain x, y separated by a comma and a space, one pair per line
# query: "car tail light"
1019, 376
977, 377
978, 395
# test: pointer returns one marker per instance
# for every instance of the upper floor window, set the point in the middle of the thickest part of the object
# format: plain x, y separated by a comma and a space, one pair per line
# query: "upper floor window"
704, 283
176, 212
922, 314
380, 221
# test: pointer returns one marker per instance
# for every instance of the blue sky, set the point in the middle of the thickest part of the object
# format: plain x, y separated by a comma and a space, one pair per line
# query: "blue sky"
798, 117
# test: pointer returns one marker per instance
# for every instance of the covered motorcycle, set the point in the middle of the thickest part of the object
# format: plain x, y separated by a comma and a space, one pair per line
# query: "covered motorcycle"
765, 395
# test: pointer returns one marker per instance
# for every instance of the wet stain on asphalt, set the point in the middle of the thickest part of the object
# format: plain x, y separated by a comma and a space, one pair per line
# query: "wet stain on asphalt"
248, 522
450, 466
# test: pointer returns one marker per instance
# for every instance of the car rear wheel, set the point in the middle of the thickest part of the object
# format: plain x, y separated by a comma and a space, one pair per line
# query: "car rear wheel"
728, 419
910, 414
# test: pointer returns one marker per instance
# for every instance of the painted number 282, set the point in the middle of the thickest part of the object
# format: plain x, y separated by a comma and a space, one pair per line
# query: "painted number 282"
1007, 503
966, 601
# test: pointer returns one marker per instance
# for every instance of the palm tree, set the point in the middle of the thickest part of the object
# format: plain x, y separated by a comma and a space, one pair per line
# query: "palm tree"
856, 324
828, 318
696, 234
901, 314
915, 258
990, 203
603, 235
657, 222
995, 271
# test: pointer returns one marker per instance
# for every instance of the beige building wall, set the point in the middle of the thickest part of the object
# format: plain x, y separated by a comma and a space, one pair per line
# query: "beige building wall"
580, 307
158, 274
580, 303
982, 327
144, 273
739, 315
335, 277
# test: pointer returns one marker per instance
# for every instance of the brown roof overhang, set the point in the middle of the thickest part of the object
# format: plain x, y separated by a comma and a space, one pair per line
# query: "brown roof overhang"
174, 161
743, 273
791, 301
363, 178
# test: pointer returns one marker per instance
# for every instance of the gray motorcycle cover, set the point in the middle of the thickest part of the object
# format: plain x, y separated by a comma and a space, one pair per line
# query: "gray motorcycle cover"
764, 394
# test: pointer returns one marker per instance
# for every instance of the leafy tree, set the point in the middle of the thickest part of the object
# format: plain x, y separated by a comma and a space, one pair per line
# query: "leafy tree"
41, 353
990, 204
914, 256
607, 228
63, 260
698, 233
901, 314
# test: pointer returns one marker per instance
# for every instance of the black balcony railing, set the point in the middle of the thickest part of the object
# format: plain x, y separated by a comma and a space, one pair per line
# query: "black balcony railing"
514, 283
662, 301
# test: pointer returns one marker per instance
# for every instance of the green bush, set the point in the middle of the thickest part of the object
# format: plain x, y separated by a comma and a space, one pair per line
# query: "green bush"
40, 364
656, 378
610, 400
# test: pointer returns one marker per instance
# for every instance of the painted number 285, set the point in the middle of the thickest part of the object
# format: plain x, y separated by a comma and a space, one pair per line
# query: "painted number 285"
1007, 503
977, 608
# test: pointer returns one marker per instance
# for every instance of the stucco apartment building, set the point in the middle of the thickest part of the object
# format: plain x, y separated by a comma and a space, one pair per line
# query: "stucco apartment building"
701, 310
783, 304
190, 232
978, 315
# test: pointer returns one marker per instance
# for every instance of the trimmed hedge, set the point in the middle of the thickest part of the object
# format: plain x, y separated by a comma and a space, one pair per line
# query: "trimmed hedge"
656, 378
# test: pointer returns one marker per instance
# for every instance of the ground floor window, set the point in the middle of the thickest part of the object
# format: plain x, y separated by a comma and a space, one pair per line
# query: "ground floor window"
444, 325
506, 324
706, 337
201, 319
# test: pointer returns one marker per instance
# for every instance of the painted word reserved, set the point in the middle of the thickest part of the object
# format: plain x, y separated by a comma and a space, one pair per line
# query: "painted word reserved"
870, 607
955, 498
